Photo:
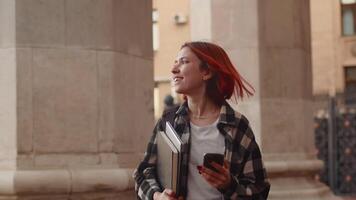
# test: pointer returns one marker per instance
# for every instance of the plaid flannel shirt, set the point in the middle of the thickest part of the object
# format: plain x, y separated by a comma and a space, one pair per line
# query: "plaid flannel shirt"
248, 175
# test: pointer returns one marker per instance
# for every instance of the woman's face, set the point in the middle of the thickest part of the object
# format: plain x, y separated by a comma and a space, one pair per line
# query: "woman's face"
187, 75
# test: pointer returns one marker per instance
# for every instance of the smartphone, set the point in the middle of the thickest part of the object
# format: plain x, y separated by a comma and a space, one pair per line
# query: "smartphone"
213, 157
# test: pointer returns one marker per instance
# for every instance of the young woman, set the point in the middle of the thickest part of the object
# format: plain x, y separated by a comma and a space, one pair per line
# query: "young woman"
206, 123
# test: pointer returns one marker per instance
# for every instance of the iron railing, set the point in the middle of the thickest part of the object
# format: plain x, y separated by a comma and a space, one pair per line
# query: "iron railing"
335, 140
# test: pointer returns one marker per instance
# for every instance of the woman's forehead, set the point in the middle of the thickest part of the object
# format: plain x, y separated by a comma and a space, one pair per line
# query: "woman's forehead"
186, 52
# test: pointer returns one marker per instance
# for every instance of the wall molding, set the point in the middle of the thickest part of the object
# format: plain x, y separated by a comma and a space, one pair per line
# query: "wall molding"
65, 181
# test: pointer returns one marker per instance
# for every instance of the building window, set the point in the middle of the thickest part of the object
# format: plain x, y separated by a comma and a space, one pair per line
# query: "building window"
348, 15
350, 85
155, 29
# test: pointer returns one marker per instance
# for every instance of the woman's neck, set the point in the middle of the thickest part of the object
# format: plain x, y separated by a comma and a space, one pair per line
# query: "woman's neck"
202, 107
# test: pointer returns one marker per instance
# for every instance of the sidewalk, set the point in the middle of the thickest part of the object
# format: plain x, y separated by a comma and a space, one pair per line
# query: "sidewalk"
349, 198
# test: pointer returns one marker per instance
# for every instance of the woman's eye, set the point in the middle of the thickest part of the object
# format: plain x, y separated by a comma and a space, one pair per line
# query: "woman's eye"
179, 62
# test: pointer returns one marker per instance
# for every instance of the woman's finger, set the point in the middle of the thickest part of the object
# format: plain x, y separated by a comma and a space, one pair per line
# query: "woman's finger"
213, 182
217, 179
218, 167
168, 194
215, 175
217, 183
226, 165
212, 178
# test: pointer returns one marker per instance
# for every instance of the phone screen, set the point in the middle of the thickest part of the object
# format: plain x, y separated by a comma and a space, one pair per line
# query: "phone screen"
213, 157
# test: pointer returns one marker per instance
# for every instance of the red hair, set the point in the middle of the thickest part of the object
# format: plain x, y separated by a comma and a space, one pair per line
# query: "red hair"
226, 80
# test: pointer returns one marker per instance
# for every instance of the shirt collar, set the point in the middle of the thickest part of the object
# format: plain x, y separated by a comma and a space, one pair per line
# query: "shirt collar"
183, 110
227, 115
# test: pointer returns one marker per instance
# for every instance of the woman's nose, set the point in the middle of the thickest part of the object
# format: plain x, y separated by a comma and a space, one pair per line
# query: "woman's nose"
175, 68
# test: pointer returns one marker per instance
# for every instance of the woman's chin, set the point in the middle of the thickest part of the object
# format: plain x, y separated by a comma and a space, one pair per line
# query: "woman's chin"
178, 90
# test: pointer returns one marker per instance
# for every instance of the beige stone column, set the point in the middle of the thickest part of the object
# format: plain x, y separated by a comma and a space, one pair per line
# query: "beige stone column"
269, 41
7, 86
76, 107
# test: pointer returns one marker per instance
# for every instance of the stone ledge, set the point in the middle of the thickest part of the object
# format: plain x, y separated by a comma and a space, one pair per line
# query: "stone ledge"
64, 181
293, 166
317, 191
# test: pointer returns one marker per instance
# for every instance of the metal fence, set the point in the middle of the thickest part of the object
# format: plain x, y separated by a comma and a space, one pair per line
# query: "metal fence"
335, 140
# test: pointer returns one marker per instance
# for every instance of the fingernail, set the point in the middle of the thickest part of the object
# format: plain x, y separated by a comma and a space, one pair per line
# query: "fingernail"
199, 172
199, 167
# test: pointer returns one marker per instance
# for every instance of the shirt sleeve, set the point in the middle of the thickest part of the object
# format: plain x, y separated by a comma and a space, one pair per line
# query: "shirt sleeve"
146, 183
251, 182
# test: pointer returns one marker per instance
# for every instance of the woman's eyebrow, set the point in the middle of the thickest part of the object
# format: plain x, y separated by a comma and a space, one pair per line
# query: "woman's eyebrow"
183, 57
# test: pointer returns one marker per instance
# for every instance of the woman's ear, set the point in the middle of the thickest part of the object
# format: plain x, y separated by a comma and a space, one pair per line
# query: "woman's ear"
207, 74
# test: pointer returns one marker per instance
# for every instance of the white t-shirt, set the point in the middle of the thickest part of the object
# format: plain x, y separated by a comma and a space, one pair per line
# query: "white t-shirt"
205, 139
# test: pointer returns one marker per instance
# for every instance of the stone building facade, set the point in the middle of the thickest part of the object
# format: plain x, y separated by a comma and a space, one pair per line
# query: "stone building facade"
74, 103
333, 46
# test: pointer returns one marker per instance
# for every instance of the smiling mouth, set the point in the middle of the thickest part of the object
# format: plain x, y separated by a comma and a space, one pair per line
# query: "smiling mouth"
177, 79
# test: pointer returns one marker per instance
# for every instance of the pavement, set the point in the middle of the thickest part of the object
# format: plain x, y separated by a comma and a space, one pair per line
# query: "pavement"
349, 198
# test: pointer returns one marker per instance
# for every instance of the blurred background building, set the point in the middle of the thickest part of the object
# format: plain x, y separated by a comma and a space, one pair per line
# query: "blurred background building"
334, 49
170, 31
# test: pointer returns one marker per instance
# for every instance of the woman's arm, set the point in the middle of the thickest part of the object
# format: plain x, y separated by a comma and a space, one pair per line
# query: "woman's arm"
145, 175
249, 177
246, 180
251, 183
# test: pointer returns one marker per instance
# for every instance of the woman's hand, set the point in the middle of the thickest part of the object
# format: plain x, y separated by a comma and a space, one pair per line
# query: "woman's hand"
167, 194
220, 179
